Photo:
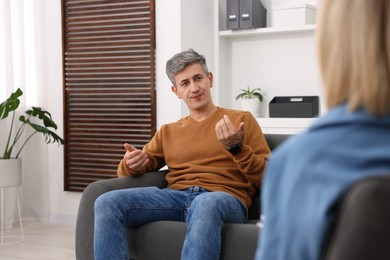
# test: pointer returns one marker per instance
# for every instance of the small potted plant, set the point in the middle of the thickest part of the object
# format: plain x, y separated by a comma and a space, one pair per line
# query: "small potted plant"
250, 100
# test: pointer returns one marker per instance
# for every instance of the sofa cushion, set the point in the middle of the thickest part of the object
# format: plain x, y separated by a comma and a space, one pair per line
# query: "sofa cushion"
239, 241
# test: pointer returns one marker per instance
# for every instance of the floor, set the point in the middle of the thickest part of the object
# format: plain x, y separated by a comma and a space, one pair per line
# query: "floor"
43, 241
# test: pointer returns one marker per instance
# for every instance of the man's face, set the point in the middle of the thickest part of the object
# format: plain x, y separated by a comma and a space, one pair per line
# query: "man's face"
193, 86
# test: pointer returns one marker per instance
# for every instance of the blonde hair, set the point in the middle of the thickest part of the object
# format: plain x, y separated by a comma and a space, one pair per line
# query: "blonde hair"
354, 53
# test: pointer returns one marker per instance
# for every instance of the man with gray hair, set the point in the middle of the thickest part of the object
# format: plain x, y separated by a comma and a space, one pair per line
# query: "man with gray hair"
215, 158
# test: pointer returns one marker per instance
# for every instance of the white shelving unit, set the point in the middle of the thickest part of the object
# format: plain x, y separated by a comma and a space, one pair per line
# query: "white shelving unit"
281, 61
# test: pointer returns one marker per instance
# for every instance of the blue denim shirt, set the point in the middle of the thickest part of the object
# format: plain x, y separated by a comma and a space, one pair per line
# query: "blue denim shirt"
308, 173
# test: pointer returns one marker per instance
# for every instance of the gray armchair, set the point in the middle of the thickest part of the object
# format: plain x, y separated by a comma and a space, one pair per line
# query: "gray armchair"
164, 239
362, 227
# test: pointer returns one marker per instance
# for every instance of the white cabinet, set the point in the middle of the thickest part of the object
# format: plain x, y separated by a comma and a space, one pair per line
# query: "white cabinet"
280, 61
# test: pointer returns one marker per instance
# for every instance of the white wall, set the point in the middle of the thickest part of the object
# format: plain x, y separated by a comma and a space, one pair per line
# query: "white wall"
168, 42
63, 205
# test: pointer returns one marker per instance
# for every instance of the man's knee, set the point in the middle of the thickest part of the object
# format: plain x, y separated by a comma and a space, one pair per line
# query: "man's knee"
105, 203
220, 205
210, 202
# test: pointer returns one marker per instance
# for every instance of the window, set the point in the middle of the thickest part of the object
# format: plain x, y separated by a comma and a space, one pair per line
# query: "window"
109, 85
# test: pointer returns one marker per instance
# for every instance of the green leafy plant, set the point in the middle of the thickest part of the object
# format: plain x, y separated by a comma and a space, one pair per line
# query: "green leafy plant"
9, 107
250, 94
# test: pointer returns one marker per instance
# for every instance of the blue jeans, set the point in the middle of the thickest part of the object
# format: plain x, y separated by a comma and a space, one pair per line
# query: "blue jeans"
205, 213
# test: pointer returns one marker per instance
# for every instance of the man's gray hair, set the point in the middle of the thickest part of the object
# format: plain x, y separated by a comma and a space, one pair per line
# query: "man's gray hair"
181, 60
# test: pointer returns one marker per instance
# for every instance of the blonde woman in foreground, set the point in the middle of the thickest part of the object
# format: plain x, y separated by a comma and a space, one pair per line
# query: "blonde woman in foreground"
309, 173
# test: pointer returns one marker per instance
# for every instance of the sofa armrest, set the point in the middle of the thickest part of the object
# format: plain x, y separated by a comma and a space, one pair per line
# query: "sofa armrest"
85, 216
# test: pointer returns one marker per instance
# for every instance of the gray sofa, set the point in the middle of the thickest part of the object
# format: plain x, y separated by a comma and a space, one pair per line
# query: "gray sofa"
164, 239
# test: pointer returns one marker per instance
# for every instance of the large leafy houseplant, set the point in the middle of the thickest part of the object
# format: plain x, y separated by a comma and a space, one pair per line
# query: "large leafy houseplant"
45, 125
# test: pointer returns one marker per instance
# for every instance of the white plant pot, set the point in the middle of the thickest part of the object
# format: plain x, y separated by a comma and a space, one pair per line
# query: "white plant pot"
10, 179
10, 173
252, 105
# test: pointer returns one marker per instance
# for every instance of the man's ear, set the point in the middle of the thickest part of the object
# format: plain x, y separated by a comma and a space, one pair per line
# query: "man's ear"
211, 77
174, 90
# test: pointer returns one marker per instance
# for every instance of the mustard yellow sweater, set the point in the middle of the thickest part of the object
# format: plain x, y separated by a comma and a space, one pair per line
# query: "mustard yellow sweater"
195, 157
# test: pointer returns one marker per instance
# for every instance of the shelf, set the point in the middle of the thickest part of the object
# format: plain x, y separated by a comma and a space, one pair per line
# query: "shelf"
265, 57
266, 31
290, 123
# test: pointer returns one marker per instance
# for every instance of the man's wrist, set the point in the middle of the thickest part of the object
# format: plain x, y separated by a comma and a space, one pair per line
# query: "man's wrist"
236, 148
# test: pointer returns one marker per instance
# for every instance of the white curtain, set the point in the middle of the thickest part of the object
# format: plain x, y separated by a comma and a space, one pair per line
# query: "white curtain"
21, 66
18, 33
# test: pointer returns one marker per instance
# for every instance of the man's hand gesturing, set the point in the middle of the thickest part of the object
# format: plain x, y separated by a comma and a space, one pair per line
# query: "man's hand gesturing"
227, 134
135, 158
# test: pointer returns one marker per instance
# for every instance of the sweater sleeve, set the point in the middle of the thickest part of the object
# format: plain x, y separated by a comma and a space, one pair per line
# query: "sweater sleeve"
154, 150
252, 160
